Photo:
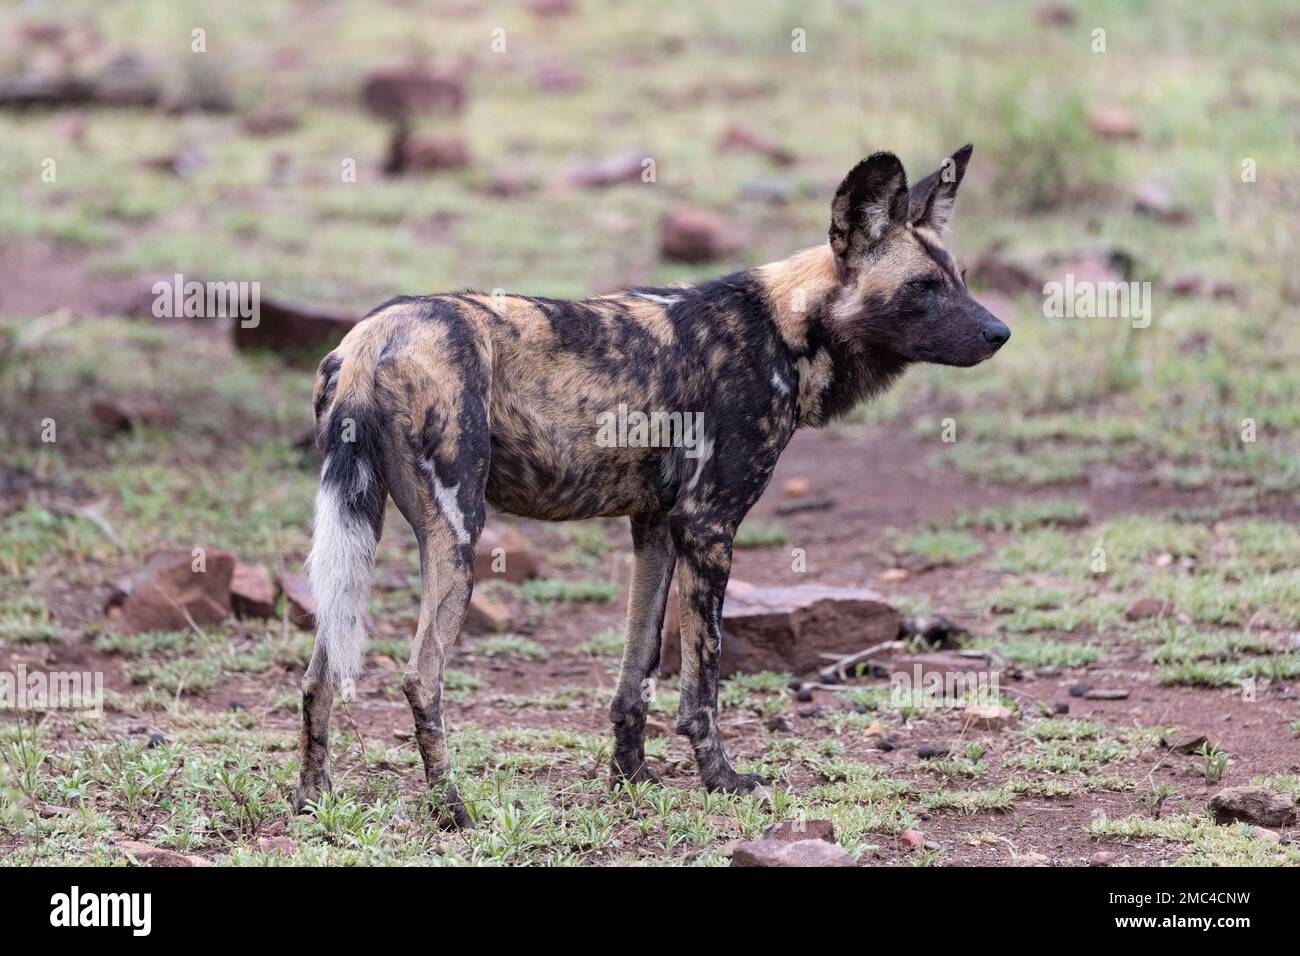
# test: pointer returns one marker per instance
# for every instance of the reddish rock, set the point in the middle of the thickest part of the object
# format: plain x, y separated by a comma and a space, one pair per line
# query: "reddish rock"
996, 272
297, 595
424, 154
1145, 608
1054, 15
157, 856
1185, 743
797, 488
1189, 284
270, 122
1253, 805
792, 831
624, 168
558, 76
550, 8
252, 592
277, 844
687, 234
168, 594
1112, 122
913, 839
121, 414
744, 139
409, 91
484, 614
1101, 858
299, 330
802, 853
786, 628
506, 555
988, 717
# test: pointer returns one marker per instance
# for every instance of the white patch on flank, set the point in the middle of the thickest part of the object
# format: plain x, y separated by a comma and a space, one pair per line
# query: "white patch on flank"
341, 560
779, 382
659, 299
705, 455
668, 465
446, 495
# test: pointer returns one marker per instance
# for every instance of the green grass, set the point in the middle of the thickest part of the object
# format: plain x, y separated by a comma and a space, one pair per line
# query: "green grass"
941, 547
553, 590
511, 646
1205, 843
756, 534
27, 620
605, 644
1021, 516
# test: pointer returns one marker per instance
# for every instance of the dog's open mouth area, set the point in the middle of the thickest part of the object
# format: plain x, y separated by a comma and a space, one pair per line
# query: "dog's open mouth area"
1103, 516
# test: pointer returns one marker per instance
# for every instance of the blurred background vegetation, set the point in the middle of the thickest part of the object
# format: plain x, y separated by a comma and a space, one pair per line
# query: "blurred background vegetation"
1133, 155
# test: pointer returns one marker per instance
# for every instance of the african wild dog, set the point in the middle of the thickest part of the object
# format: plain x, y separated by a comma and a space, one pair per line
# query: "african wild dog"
447, 402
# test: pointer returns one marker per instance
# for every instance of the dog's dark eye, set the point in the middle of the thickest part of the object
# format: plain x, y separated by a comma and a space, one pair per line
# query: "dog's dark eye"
919, 287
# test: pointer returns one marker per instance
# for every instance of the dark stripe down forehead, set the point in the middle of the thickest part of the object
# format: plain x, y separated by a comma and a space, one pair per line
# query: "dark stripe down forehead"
940, 255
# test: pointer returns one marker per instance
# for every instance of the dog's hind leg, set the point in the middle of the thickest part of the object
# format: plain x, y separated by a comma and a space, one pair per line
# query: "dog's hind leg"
651, 574
447, 580
313, 745
441, 490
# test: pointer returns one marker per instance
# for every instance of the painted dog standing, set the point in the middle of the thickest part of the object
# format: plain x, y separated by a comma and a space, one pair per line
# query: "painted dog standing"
448, 402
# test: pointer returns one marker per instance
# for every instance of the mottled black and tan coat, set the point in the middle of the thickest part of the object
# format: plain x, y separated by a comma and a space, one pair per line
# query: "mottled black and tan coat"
449, 402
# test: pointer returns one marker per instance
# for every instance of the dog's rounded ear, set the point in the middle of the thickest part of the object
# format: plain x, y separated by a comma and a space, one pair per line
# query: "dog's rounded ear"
872, 198
931, 200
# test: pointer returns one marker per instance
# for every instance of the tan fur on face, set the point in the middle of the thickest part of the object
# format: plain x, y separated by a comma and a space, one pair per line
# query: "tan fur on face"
897, 260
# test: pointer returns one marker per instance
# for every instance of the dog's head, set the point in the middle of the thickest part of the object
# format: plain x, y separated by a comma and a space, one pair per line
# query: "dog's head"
900, 289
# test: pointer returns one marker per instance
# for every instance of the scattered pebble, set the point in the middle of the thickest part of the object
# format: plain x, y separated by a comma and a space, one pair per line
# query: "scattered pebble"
914, 839
797, 488
1102, 693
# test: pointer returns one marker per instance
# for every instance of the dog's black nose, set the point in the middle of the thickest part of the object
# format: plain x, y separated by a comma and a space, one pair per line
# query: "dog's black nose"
996, 334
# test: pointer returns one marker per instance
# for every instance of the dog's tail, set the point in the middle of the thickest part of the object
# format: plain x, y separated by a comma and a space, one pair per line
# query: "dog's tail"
350, 502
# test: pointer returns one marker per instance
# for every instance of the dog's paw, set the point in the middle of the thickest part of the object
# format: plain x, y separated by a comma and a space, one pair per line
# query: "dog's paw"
311, 787
729, 781
637, 771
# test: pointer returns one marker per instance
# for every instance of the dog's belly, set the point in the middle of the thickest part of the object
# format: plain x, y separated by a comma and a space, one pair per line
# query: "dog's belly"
564, 481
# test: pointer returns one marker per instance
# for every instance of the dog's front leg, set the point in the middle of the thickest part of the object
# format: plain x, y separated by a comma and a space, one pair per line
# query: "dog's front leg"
704, 564
652, 572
